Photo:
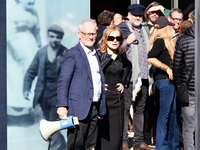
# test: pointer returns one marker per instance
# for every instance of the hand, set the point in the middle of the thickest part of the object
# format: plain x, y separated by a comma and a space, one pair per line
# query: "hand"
100, 117
170, 73
156, 8
26, 95
62, 112
131, 38
106, 87
120, 87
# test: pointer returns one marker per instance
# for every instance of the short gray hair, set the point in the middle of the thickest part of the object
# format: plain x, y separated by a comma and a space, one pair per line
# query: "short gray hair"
87, 20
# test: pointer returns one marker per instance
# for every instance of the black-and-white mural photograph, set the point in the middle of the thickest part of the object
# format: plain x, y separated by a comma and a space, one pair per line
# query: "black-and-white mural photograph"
38, 34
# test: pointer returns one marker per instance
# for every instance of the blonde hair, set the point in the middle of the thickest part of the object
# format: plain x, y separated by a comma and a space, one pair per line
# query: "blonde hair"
103, 42
166, 34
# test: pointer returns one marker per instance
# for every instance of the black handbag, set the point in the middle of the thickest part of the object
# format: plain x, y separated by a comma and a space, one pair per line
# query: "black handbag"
182, 90
182, 93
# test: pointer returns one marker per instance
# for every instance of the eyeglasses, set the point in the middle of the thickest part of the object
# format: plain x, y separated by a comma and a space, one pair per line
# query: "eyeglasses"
112, 38
177, 19
89, 34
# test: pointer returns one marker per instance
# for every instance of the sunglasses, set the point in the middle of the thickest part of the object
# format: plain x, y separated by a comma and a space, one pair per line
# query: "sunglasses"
112, 38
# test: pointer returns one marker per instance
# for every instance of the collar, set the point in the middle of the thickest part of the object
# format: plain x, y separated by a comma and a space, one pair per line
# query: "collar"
87, 50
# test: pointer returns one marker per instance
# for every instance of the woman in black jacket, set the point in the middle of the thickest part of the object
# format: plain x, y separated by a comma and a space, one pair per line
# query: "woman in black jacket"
117, 71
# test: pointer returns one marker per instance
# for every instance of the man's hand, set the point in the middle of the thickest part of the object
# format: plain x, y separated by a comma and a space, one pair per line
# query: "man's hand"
62, 112
156, 8
100, 117
26, 95
131, 38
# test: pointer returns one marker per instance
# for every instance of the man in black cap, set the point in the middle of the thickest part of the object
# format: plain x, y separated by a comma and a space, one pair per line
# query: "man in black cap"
140, 80
46, 67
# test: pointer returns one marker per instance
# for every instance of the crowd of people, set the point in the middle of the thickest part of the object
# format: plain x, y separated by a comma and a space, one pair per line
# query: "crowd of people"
121, 67
140, 61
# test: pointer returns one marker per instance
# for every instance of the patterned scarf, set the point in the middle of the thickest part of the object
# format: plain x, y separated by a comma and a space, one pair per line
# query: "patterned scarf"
136, 76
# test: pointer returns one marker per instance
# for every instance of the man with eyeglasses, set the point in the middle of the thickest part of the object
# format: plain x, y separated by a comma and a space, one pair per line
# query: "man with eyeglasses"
176, 17
140, 79
81, 90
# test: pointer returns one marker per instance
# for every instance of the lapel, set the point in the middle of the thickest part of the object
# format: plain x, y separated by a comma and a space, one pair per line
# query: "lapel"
43, 58
85, 61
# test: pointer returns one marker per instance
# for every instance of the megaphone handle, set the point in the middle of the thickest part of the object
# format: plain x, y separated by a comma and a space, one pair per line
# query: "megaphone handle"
49, 146
64, 117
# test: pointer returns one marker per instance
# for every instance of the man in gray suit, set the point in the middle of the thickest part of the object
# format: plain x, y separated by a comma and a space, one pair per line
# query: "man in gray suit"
46, 67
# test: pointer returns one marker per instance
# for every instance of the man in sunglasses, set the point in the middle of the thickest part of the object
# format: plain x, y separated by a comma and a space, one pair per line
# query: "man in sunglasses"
140, 80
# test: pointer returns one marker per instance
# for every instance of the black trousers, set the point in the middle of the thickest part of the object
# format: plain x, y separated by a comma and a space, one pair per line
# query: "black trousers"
85, 136
127, 104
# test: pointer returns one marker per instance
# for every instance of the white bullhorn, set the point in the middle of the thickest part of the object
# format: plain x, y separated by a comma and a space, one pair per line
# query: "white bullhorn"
48, 128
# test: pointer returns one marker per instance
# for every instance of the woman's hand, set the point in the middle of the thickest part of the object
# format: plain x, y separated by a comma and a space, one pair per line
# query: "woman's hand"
106, 87
170, 73
120, 87
131, 38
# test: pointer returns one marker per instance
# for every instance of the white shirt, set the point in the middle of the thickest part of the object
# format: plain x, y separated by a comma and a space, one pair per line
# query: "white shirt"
95, 71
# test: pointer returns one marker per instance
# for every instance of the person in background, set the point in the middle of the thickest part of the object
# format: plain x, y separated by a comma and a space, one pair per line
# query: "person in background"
161, 56
117, 71
81, 90
151, 13
46, 67
185, 24
141, 82
176, 17
190, 17
104, 20
184, 62
117, 19
125, 19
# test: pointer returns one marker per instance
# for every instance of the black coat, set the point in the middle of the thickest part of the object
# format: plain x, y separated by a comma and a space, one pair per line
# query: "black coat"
184, 58
127, 65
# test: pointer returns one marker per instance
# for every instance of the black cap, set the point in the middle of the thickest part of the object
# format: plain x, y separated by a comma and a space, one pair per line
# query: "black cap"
136, 9
162, 22
56, 28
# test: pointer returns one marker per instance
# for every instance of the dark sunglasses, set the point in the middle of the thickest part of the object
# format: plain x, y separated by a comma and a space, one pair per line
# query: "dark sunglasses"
117, 38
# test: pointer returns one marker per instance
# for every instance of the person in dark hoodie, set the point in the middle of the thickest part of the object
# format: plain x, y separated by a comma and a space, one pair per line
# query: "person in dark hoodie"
183, 66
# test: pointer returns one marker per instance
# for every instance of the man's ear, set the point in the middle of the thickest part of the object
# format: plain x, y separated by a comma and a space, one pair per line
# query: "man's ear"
79, 35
